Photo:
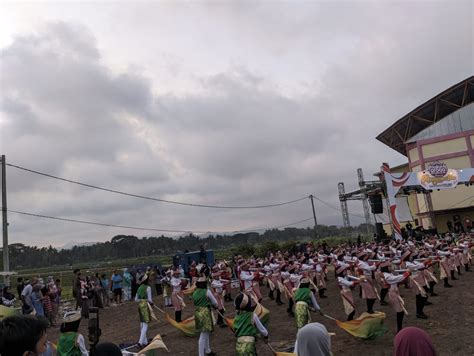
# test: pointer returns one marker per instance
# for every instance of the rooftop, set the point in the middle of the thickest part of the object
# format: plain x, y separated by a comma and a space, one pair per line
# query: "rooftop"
425, 115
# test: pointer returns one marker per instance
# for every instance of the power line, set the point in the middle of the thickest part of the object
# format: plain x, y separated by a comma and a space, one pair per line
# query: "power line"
335, 208
156, 199
150, 229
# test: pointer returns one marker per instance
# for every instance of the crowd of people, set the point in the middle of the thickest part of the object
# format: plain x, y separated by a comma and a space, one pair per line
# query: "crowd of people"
38, 296
298, 278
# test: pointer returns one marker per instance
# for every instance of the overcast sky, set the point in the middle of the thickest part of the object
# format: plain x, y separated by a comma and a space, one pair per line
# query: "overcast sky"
220, 103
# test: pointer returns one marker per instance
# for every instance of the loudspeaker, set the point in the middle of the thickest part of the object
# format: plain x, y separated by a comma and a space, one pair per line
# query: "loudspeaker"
379, 231
376, 204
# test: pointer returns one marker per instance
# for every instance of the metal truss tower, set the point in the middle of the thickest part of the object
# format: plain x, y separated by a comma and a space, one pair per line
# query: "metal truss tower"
345, 212
365, 203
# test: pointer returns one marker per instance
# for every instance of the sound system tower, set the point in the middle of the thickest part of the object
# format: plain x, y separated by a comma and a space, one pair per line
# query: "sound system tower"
376, 204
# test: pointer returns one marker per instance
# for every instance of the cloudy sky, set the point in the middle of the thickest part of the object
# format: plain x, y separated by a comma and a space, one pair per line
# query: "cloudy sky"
217, 103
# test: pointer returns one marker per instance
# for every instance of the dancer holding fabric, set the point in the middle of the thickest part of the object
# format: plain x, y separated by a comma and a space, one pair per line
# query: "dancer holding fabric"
247, 325
143, 297
203, 299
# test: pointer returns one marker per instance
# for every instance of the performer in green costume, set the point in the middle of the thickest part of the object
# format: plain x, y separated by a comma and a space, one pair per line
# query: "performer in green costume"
144, 300
71, 343
246, 326
203, 299
304, 298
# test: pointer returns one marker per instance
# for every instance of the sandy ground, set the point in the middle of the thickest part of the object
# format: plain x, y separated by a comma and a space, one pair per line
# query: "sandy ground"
450, 324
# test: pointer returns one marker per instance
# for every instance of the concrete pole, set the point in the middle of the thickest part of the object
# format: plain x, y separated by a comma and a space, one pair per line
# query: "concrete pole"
6, 262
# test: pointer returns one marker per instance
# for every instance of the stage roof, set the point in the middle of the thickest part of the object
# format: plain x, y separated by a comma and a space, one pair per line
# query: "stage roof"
435, 109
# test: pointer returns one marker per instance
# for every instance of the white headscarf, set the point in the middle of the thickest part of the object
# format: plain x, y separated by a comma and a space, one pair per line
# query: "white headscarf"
313, 340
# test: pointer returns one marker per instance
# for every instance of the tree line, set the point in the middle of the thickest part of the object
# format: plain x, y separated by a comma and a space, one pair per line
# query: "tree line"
129, 246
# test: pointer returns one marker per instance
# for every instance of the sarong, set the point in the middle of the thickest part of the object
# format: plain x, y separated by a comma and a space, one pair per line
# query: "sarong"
203, 319
144, 311
245, 346
302, 316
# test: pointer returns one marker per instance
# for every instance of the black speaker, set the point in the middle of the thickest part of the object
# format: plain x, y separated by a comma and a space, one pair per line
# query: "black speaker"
376, 204
379, 231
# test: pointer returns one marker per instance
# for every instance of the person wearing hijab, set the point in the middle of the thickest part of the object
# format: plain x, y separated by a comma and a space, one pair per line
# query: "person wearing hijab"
413, 341
313, 340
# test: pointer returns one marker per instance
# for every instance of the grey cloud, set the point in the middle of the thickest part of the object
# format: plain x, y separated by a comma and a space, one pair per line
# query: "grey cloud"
241, 139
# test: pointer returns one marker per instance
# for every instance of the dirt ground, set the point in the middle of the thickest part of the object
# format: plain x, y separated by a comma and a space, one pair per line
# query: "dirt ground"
450, 324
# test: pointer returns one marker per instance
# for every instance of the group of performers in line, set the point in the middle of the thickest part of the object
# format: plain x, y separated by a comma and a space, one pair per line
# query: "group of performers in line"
300, 277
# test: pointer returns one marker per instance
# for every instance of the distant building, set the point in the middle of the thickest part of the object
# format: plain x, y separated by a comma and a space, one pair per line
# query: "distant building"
442, 129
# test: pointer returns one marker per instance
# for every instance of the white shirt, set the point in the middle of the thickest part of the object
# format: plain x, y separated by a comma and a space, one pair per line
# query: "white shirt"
247, 277
82, 345
218, 285
259, 325
176, 284
366, 268
211, 298
344, 282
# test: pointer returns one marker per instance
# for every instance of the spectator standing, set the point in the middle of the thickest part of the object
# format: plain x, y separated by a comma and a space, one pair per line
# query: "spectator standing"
135, 285
313, 339
47, 305
413, 341
19, 286
127, 285
8, 299
76, 287
27, 306
37, 299
104, 282
97, 289
157, 281
116, 282
56, 299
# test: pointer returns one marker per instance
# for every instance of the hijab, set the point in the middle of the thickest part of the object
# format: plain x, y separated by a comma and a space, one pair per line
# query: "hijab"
313, 340
413, 341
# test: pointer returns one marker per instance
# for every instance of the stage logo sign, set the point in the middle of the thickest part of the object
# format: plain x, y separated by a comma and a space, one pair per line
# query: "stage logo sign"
438, 176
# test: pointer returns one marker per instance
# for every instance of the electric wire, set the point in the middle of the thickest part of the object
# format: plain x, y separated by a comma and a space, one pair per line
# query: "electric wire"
150, 229
156, 199
335, 208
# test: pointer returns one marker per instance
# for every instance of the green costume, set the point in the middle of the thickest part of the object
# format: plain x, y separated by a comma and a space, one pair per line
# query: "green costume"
302, 299
67, 345
245, 331
143, 308
202, 313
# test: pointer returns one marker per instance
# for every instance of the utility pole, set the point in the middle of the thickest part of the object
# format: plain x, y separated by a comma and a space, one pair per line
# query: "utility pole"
314, 216
6, 262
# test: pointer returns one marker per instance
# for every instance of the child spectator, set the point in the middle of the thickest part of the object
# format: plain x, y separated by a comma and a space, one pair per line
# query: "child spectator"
71, 343
47, 305
22, 335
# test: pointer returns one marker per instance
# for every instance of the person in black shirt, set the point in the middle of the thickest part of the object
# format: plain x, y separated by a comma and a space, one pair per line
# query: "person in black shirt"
20, 285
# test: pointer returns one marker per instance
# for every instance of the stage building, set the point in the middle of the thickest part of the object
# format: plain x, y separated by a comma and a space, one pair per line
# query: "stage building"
439, 131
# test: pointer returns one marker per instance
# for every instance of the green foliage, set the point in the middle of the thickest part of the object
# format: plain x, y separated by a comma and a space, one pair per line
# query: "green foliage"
128, 249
